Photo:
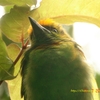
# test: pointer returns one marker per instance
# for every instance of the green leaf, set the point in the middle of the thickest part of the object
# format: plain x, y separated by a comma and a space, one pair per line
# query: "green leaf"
18, 2
5, 2
5, 62
15, 24
15, 88
69, 11
7, 8
15, 84
98, 79
4, 91
13, 51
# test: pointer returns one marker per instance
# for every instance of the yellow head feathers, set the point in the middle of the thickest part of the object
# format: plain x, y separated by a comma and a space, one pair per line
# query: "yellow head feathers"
30, 29
44, 22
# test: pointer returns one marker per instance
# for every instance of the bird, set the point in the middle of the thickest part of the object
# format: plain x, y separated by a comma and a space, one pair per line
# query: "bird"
54, 67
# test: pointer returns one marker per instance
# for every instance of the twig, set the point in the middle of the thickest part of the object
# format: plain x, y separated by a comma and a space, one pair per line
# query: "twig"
24, 46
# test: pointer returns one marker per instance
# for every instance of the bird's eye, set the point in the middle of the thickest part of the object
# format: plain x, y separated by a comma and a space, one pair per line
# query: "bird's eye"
54, 30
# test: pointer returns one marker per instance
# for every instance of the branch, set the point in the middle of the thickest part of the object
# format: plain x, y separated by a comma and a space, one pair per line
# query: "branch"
24, 46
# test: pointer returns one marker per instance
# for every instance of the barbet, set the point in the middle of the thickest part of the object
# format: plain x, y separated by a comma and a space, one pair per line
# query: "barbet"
54, 67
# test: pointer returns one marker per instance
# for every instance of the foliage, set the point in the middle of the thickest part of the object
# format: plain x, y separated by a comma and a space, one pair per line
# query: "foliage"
14, 25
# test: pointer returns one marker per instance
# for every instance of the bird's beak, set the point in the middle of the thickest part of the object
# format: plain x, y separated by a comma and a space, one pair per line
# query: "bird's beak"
38, 29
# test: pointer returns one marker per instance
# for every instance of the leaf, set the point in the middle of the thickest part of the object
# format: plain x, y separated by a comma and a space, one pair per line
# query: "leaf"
5, 62
7, 8
18, 2
15, 88
4, 2
15, 84
69, 11
15, 24
4, 91
13, 51
98, 79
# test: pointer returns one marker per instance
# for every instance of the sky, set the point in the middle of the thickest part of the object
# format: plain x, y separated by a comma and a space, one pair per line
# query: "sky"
1, 11
88, 36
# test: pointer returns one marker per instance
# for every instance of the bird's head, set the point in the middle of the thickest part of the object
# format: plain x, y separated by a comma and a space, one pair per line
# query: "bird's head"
46, 32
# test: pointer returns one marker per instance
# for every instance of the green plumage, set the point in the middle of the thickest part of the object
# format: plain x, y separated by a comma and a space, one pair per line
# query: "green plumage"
54, 67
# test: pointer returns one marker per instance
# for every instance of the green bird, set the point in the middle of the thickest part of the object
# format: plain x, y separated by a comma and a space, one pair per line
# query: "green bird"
54, 67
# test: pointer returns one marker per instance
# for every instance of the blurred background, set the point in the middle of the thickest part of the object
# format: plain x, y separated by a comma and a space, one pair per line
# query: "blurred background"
88, 36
